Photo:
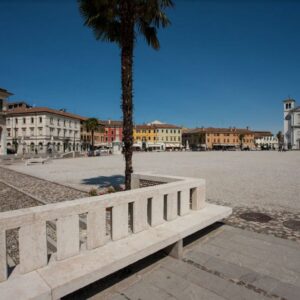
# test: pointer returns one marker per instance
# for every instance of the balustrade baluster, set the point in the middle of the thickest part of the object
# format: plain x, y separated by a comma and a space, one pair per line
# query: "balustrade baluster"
32, 247
67, 236
119, 221
3, 261
96, 228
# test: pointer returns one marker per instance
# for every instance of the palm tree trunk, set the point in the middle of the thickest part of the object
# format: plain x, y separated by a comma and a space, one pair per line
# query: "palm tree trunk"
127, 45
93, 142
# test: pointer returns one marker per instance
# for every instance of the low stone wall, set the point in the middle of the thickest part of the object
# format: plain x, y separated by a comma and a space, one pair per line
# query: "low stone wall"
149, 206
86, 248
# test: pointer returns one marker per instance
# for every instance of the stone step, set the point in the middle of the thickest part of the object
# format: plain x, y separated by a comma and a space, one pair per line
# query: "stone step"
222, 287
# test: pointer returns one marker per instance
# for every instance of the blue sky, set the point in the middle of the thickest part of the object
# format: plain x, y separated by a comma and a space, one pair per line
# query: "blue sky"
222, 63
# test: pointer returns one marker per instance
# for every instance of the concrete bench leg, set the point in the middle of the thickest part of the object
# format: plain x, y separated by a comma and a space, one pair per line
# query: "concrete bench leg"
175, 250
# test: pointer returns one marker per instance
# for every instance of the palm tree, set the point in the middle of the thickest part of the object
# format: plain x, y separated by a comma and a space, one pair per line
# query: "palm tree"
92, 125
120, 21
241, 138
280, 139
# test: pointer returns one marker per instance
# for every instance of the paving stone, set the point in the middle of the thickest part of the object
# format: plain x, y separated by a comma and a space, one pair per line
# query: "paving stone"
266, 283
250, 277
145, 291
177, 266
212, 250
287, 291
222, 287
198, 257
179, 287
228, 269
116, 297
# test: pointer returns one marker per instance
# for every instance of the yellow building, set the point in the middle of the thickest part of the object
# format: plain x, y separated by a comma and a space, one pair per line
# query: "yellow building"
144, 135
157, 136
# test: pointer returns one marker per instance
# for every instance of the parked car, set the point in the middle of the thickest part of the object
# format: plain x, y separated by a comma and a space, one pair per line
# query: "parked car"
11, 151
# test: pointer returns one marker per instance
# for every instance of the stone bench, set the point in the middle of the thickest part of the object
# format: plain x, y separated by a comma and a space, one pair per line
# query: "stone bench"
33, 161
160, 216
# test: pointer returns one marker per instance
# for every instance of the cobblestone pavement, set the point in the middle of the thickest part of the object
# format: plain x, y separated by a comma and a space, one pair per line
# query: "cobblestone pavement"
275, 226
11, 199
40, 189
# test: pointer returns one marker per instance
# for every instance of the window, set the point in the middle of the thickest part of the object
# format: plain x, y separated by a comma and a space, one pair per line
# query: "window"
58, 121
8, 133
32, 120
41, 120
64, 123
24, 120
8, 122
31, 131
16, 120
40, 130
23, 131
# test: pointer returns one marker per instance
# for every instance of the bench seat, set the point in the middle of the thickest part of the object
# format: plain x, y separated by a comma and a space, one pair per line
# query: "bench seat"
60, 278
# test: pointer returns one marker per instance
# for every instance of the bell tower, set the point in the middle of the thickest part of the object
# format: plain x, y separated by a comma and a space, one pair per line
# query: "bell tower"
288, 106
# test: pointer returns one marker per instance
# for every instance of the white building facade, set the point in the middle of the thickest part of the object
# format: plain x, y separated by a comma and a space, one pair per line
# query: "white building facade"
42, 130
268, 142
291, 127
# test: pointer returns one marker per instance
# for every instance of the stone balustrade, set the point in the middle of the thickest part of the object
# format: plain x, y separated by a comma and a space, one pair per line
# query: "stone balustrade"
141, 209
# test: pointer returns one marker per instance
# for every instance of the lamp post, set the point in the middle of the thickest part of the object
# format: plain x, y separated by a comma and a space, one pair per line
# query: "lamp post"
74, 142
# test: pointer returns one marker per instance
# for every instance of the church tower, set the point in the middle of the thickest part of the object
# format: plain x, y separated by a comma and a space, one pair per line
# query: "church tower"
288, 105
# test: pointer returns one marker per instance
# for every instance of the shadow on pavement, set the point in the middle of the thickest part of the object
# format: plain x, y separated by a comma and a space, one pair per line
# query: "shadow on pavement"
105, 181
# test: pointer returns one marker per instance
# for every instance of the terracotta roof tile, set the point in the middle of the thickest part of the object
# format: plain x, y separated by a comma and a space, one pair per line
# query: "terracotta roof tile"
23, 110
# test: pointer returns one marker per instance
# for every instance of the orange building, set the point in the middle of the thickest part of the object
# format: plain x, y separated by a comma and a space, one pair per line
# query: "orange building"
86, 136
218, 138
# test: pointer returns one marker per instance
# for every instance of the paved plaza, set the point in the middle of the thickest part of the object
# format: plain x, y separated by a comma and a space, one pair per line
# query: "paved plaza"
226, 263
264, 179
250, 259
264, 182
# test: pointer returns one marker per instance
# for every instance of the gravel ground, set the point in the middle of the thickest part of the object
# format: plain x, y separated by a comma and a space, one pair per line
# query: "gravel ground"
12, 199
268, 180
45, 191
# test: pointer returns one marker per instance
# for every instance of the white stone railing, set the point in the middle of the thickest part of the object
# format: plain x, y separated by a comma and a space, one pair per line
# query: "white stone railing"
149, 206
